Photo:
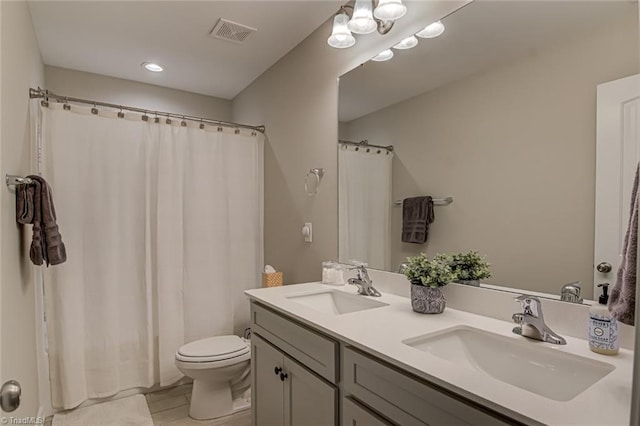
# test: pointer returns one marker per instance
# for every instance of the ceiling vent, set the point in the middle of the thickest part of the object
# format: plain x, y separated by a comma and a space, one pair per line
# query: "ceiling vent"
231, 31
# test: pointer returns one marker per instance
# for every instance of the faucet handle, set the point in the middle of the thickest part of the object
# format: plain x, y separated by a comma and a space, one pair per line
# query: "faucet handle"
530, 305
362, 272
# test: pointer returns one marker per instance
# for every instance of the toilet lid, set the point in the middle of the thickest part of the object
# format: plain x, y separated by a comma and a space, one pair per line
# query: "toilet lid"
215, 347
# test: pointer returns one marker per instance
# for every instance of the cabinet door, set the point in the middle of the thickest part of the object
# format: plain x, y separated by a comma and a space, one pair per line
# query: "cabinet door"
353, 414
267, 387
308, 400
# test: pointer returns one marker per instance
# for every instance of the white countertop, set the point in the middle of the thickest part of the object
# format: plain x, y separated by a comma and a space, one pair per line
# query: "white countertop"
381, 331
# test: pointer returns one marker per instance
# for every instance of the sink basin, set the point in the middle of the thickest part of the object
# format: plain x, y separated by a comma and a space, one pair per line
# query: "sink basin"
529, 365
336, 302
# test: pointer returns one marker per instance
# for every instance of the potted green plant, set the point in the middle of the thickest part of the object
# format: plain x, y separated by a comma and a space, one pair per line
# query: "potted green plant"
470, 268
427, 276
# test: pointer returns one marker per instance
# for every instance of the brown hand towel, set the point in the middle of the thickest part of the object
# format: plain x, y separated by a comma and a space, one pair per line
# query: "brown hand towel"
417, 214
37, 252
54, 251
622, 302
24, 203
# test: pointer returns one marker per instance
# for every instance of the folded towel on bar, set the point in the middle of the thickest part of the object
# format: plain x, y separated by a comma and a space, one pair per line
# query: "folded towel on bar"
34, 205
417, 214
24, 203
622, 302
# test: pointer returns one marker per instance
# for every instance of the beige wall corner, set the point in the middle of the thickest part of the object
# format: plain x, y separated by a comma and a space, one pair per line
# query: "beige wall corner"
21, 68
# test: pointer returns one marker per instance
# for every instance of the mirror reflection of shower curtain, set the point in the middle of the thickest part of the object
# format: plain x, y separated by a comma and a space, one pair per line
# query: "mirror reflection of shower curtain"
364, 206
163, 229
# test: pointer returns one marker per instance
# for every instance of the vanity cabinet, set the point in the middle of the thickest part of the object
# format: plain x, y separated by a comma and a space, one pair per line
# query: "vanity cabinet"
405, 400
354, 414
294, 371
286, 393
299, 374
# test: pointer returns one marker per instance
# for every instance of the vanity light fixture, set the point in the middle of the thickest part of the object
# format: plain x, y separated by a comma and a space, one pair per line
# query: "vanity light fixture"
431, 31
341, 37
407, 43
385, 55
150, 66
364, 19
390, 10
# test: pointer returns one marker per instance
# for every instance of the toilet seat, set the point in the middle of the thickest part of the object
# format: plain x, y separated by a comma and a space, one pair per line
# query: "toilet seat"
214, 349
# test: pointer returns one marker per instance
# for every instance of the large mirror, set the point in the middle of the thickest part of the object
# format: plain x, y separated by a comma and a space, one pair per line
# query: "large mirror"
500, 113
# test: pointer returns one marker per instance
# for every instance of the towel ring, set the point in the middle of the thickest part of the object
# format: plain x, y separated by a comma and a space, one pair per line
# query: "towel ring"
317, 174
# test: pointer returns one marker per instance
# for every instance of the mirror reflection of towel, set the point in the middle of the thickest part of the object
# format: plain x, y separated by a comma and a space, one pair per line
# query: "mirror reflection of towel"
417, 214
622, 302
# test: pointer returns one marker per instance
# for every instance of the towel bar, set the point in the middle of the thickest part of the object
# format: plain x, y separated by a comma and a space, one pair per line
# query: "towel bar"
16, 180
436, 202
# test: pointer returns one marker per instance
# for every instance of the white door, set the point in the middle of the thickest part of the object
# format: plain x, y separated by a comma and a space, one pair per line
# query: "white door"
617, 155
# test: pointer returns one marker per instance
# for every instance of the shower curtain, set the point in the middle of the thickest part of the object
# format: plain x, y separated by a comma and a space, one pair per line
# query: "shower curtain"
163, 229
364, 206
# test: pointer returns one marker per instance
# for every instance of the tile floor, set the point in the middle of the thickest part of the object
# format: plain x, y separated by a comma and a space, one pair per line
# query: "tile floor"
171, 408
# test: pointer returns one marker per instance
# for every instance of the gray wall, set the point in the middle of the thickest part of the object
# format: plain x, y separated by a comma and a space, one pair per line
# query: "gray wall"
297, 100
21, 68
515, 146
86, 85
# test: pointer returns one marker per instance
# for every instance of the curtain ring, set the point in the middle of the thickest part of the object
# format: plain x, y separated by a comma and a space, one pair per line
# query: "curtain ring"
94, 110
201, 125
318, 174
120, 113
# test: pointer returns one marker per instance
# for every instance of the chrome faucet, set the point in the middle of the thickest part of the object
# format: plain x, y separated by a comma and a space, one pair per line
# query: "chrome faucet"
363, 282
532, 323
571, 292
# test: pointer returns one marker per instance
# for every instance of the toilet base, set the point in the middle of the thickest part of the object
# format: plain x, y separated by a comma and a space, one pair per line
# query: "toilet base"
210, 400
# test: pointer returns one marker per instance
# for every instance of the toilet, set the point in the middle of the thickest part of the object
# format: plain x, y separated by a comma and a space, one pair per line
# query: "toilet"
220, 369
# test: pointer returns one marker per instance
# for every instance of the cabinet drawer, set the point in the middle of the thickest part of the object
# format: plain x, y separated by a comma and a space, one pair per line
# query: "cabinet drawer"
405, 400
314, 350
353, 414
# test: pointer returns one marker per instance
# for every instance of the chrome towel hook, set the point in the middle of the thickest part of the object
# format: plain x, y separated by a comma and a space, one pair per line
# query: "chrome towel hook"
316, 176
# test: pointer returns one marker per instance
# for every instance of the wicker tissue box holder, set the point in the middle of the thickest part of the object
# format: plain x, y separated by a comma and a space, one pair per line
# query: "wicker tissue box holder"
273, 279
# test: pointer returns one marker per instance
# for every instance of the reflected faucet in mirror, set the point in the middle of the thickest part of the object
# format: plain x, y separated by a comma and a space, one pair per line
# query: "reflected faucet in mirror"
571, 292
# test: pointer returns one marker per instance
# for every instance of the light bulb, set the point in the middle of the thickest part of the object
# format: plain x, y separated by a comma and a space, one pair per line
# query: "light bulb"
150, 66
362, 21
341, 37
390, 10
407, 43
385, 55
431, 31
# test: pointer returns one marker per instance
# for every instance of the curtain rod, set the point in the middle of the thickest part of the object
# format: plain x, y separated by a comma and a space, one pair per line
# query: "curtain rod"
46, 95
365, 143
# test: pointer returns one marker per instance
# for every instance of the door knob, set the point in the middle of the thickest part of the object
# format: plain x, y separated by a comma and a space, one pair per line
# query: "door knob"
283, 376
604, 267
277, 370
10, 396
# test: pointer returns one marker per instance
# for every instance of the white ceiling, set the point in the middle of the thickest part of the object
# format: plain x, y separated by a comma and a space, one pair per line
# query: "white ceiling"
114, 37
480, 35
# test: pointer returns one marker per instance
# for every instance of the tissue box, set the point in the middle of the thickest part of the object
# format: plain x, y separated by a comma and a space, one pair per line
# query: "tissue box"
273, 279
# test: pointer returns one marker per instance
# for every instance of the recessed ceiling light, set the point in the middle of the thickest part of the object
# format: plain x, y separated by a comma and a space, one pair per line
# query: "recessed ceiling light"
150, 66
385, 55
431, 31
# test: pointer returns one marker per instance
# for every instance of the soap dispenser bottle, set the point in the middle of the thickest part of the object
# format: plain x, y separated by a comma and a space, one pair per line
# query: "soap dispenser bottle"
603, 328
